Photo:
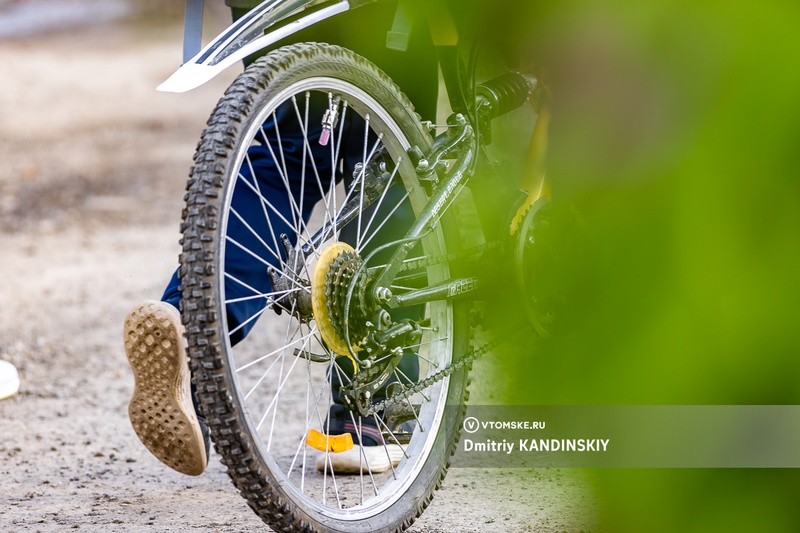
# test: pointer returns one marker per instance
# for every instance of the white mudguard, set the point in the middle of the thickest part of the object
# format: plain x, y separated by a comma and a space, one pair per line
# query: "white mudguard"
262, 26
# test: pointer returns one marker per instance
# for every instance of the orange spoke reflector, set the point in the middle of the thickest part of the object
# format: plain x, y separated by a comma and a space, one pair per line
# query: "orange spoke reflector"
329, 443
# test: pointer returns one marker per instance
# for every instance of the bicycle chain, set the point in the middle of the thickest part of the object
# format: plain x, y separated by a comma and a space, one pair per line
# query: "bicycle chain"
465, 361
468, 359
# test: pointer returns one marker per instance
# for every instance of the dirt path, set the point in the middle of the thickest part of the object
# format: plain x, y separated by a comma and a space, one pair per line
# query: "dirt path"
93, 166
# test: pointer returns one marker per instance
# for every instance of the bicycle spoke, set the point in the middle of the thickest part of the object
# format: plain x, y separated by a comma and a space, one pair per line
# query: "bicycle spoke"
363, 171
411, 382
268, 204
259, 296
280, 388
303, 122
255, 291
382, 423
273, 352
389, 216
257, 190
310, 411
363, 459
383, 196
338, 154
273, 403
256, 235
299, 225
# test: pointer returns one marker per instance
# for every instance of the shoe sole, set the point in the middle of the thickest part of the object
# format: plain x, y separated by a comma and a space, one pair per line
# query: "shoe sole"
161, 410
379, 458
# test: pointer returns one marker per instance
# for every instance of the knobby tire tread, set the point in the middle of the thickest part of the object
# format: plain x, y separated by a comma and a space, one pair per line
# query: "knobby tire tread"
204, 188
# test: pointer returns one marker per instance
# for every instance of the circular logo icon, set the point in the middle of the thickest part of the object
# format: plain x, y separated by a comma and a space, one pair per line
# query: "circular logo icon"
471, 424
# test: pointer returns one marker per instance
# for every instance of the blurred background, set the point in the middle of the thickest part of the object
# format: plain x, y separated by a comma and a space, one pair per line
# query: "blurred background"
78, 109
675, 135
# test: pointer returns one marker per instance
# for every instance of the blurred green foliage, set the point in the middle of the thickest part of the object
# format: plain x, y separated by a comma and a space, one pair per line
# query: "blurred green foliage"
676, 135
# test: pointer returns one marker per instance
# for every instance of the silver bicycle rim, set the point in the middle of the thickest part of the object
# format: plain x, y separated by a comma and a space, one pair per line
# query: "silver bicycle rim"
259, 361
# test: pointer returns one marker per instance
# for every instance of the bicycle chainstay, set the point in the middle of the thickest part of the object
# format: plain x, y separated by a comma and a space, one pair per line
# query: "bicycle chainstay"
465, 361
466, 255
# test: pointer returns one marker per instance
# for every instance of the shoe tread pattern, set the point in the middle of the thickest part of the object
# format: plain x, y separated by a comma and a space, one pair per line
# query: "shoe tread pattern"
160, 409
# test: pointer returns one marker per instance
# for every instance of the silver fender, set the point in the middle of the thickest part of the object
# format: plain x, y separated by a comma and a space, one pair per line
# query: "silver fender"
250, 34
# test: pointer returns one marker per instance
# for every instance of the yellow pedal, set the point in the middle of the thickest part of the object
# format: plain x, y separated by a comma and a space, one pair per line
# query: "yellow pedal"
330, 443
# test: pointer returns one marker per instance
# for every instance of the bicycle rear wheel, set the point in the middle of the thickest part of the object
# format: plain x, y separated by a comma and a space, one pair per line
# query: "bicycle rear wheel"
270, 177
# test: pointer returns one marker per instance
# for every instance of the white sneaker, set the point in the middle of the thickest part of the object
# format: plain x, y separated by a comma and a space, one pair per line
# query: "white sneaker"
161, 410
375, 459
9, 380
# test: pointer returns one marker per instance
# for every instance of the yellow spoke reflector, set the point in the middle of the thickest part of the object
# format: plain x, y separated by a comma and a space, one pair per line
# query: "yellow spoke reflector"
329, 443
319, 300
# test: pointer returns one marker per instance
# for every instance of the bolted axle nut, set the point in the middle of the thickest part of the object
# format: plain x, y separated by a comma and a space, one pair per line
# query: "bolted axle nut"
383, 295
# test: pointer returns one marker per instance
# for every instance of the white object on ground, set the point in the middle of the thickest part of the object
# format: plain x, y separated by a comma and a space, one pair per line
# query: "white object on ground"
9, 380
374, 459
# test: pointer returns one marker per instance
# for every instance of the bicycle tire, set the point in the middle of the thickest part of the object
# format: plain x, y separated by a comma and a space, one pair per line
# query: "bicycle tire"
256, 462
